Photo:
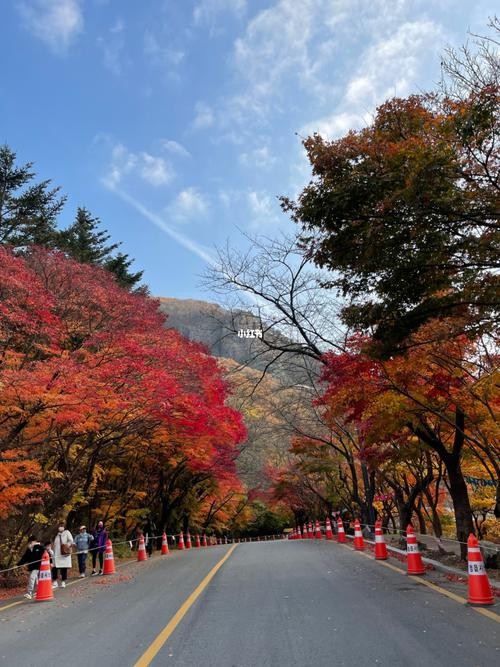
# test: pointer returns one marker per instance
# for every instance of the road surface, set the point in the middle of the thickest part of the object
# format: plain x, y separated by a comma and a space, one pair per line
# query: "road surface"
271, 604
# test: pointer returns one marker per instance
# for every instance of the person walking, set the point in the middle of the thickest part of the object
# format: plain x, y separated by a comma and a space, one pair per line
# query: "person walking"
63, 543
100, 536
32, 557
82, 543
149, 535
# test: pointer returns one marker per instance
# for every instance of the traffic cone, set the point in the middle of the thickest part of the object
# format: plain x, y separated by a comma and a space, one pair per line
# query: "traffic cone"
413, 558
109, 560
197, 544
180, 543
204, 540
225, 539
304, 532
310, 534
359, 543
341, 538
479, 585
44, 586
380, 546
318, 531
141, 550
328, 534
164, 545
188, 540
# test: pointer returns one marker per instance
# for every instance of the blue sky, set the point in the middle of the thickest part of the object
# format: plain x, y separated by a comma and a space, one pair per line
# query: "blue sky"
176, 121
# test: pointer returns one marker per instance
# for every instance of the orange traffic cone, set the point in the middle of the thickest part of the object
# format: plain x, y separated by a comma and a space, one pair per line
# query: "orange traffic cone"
44, 586
310, 533
328, 534
204, 540
413, 558
164, 545
380, 546
109, 560
359, 543
197, 543
180, 544
304, 532
479, 585
188, 541
318, 531
341, 538
141, 550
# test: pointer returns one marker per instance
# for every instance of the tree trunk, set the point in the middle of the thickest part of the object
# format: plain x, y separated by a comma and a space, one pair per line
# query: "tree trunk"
437, 528
461, 504
421, 519
456, 482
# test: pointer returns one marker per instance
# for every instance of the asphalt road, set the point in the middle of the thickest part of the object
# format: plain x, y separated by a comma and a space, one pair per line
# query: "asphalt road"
271, 604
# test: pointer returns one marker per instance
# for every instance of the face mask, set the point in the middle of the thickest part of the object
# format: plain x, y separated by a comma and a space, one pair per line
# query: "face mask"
61, 528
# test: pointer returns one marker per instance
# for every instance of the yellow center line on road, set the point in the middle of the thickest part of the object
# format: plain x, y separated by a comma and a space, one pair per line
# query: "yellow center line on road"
12, 604
453, 596
151, 652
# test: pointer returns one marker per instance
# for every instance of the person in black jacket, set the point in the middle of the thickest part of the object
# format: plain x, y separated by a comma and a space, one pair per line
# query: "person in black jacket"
32, 557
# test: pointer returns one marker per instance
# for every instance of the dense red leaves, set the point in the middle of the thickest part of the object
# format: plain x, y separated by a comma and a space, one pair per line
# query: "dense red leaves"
90, 376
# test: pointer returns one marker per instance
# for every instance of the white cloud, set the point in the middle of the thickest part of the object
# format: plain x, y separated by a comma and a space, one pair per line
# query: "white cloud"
118, 27
264, 209
230, 197
336, 125
112, 46
155, 171
206, 11
188, 205
275, 46
159, 54
261, 158
176, 148
204, 116
260, 203
386, 68
122, 162
196, 248
292, 55
55, 22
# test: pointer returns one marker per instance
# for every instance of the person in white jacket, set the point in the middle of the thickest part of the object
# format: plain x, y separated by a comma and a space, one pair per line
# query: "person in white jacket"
63, 543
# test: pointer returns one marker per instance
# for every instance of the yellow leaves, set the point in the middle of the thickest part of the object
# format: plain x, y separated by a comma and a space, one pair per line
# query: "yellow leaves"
52, 474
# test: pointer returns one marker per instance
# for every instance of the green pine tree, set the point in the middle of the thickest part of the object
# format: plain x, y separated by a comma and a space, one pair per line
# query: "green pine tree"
86, 243
119, 265
28, 211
